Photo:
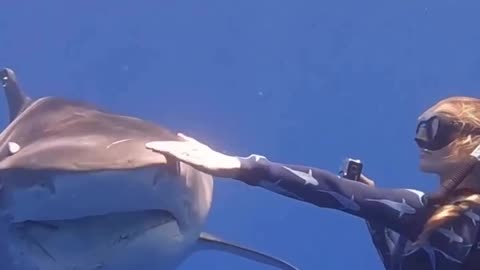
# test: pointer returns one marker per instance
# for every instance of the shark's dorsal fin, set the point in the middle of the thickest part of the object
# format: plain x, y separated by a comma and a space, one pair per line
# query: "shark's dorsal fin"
16, 98
209, 242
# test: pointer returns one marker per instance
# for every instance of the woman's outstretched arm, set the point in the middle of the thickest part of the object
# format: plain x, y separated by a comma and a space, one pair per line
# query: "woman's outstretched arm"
399, 209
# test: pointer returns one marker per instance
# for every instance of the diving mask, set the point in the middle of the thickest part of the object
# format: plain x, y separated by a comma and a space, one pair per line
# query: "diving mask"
440, 130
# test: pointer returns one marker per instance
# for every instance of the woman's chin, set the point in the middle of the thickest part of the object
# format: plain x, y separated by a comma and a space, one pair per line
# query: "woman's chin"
426, 170
429, 167
438, 167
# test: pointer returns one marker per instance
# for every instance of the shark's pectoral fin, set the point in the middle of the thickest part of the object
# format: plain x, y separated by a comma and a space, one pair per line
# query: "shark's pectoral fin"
210, 242
16, 98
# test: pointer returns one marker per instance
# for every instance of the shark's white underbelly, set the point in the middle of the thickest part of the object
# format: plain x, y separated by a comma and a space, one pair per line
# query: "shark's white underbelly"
107, 220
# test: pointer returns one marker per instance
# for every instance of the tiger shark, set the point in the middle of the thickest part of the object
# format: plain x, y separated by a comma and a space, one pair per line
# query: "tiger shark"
79, 191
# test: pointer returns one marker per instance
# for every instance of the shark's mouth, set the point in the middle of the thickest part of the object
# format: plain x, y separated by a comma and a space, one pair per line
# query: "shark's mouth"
94, 241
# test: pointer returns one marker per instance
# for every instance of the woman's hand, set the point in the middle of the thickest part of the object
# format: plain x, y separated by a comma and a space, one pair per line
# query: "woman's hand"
367, 181
197, 154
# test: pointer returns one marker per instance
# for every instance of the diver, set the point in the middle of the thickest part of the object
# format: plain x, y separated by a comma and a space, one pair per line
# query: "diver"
409, 231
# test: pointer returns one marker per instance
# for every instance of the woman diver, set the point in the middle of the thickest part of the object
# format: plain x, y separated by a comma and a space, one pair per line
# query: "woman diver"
409, 231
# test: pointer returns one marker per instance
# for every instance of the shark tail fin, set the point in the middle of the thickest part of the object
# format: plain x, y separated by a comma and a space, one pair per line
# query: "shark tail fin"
16, 98
210, 242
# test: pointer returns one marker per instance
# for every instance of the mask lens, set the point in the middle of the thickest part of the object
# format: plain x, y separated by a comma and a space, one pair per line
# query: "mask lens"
434, 128
433, 134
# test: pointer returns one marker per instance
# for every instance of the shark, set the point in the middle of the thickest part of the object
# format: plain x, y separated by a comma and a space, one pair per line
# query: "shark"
79, 191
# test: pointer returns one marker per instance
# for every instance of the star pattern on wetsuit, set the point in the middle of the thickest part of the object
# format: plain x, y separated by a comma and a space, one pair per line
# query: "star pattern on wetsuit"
473, 216
401, 207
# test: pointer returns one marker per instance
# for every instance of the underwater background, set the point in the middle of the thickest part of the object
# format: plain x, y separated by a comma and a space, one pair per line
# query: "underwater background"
306, 82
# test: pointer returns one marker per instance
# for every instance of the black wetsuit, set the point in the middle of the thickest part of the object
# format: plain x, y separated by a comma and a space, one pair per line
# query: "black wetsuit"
395, 216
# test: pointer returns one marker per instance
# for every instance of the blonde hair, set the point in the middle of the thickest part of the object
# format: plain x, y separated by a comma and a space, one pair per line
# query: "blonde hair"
465, 110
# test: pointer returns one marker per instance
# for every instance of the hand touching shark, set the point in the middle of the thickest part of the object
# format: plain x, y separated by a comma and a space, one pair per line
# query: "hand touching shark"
196, 154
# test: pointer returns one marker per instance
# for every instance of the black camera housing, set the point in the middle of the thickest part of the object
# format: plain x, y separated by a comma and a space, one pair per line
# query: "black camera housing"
351, 169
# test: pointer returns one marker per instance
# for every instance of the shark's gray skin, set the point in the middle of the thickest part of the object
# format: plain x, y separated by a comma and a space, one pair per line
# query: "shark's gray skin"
78, 190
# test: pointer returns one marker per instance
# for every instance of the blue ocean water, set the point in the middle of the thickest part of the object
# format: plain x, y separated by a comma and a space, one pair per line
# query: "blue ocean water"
307, 82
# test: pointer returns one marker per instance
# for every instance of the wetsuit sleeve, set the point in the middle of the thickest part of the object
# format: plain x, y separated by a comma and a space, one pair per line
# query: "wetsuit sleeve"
399, 209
